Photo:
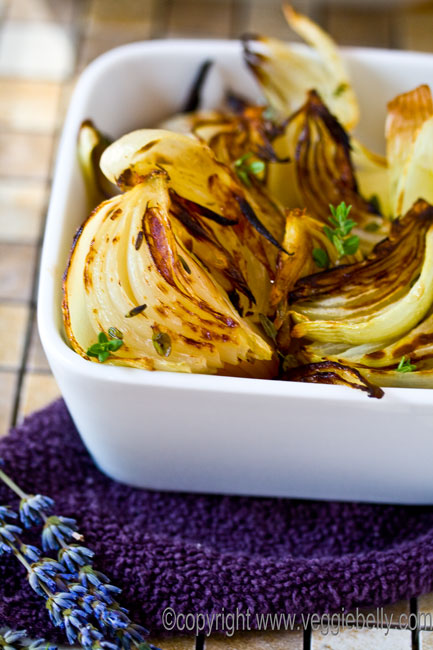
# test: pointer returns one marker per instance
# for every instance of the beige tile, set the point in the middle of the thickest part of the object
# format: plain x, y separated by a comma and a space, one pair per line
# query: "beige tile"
107, 16
362, 639
36, 360
50, 10
17, 262
426, 641
38, 390
66, 95
22, 206
177, 643
13, 326
36, 50
25, 155
358, 26
267, 18
425, 609
8, 382
28, 105
415, 29
257, 641
197, 18
93, 46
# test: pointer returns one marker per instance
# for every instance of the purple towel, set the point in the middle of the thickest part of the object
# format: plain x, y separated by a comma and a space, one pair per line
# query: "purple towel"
203, 553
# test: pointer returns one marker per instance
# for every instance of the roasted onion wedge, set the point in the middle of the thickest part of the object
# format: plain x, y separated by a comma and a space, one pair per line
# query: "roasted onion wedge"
90, 147
325, 173
231, 134
378, 312
409, 139
285, 73
249, 231
303, 236
128, 270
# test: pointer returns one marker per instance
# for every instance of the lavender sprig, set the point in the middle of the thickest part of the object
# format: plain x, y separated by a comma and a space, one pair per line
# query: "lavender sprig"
79, 599
33, 507
17, 640
9, 639
57, 532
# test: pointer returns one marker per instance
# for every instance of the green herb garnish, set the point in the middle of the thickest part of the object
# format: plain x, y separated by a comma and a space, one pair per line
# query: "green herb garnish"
405, 365
339, 235
373, 226
114, 333
320, 256
268, 326
162, 343
184, 264
245, 169
103, 347
340, 89
135, 311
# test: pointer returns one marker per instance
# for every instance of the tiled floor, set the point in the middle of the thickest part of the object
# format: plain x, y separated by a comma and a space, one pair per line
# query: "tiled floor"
43, 46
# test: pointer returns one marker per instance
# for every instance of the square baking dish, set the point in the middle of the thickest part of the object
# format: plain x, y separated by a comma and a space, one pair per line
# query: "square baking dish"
174, 431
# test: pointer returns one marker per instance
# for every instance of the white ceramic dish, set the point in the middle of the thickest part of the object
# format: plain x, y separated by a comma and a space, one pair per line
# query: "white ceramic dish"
217, 434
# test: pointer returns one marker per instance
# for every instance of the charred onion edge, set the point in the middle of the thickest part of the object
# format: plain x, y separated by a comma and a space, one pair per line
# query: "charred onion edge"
255, 222
321, 373
319, 284
207, 213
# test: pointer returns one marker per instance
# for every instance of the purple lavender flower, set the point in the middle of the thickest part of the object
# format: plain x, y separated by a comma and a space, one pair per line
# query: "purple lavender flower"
7, 513
78, 597
41, 644
9, 638
5, 548
8, 533
33, 507
91, 639
42, 576
57, 531
132, 635
115, 619
74, 621
30, 552
74, 556
59, 602
89, 577
107, 593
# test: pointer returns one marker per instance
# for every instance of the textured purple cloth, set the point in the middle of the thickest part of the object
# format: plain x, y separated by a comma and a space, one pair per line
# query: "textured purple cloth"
202, 553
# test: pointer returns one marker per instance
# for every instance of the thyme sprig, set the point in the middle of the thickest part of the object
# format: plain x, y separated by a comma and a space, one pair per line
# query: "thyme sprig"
339, 235
79, 599
245, 168
405, 365
104, 346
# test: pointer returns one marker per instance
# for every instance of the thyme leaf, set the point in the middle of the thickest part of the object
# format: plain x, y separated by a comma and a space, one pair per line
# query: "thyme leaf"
320, 256
162, 343
405, 365
101, 350
342, 226
245, 169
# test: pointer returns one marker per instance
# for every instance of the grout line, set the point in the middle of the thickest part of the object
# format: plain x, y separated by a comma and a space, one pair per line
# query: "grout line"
307, 638
200, 642
239, 15
415, 633
161, 11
